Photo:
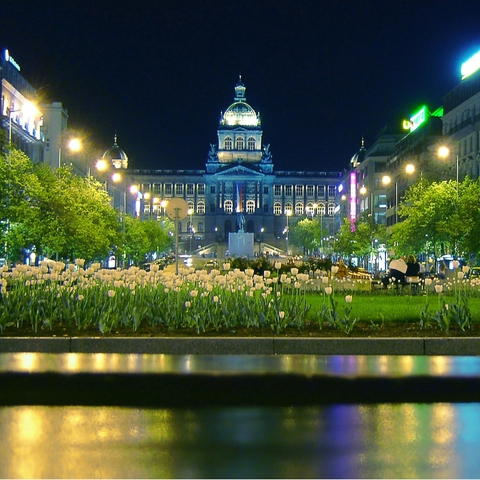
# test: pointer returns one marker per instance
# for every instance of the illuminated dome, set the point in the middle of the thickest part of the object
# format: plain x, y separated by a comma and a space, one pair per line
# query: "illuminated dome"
240, 112
116, 156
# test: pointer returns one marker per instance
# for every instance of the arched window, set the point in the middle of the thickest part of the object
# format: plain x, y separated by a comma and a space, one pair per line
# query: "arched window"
331, 209
250, 206
251, 143
228, 143
228, 206
299, 208
288, 208
191, 206
201, 208
277, 208
321, 209
240, 143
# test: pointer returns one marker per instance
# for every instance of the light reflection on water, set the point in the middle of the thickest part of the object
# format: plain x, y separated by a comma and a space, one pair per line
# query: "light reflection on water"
339, 441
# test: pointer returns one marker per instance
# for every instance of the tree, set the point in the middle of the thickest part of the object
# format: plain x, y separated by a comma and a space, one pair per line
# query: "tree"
18, 186
431, 213
71, 216
354, 242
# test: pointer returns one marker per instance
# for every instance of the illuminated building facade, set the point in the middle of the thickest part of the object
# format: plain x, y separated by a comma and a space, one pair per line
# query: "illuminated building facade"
21, 117
240, 185
461, 120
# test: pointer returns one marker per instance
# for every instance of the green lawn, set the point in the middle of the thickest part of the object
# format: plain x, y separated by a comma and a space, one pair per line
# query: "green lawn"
402, 308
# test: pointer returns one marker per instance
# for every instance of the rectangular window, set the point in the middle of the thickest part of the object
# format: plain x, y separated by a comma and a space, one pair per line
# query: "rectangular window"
201, 189
310, 190
145, 187
157, 188
212, 188
321, 191
212, 208
299, 190
277, 190
168, 189
265, 190
190, 189
288, 190
332, 190
178, 189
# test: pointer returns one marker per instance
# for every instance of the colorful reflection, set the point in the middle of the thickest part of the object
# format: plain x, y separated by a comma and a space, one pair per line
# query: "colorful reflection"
340, 441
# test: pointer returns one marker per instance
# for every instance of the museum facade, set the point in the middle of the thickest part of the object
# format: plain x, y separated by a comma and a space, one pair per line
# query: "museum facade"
238, 189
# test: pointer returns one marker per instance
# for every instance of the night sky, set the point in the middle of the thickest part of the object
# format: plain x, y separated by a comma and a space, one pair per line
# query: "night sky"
321, 73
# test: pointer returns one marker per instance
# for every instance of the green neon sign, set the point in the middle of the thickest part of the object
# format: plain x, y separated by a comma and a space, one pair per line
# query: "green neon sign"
418, 118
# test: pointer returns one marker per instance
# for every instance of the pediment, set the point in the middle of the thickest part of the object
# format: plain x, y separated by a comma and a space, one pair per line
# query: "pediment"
240, 170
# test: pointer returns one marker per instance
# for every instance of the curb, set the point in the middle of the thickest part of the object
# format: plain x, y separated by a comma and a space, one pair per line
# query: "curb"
245, 346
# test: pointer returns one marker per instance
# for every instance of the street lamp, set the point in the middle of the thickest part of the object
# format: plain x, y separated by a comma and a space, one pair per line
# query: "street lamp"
287, 213
387, 180
444, 152
190, 212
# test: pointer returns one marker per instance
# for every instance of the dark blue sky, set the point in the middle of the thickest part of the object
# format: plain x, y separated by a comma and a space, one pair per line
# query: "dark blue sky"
321, 73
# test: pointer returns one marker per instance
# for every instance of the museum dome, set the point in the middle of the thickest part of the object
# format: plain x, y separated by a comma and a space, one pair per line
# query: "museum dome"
116, 156
240, 112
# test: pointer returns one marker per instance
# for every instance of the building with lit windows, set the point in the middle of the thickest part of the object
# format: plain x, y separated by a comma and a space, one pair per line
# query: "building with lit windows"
239, 186
21, 118
461, 120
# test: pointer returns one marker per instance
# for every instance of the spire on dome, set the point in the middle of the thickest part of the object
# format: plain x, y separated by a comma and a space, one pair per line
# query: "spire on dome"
240, 91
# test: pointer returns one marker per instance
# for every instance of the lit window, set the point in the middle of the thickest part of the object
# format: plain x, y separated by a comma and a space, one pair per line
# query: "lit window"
190, 189
228, 143
157, 188
240, 143
288, 208
321, 190
228, 206
201, 208
168, 189
179, 189
277, 190
201, 189
310, 190
277, 208
331, 209
299, 190
299, 208
288, 190
332, 190
251, 143
250, 206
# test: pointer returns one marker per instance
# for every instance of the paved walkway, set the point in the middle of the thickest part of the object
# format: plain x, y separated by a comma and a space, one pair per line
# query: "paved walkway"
245, 346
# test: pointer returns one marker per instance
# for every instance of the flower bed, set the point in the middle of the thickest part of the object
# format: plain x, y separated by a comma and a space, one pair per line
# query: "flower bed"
58, 296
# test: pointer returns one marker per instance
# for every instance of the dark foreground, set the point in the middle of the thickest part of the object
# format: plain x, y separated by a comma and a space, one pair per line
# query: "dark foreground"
103, 415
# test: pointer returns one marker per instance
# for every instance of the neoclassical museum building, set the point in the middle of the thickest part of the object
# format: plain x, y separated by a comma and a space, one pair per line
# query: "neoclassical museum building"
239, 189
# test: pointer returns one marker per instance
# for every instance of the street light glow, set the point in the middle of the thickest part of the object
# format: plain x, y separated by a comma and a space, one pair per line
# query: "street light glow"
410, 168
75, 145
443, 151
101, 165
